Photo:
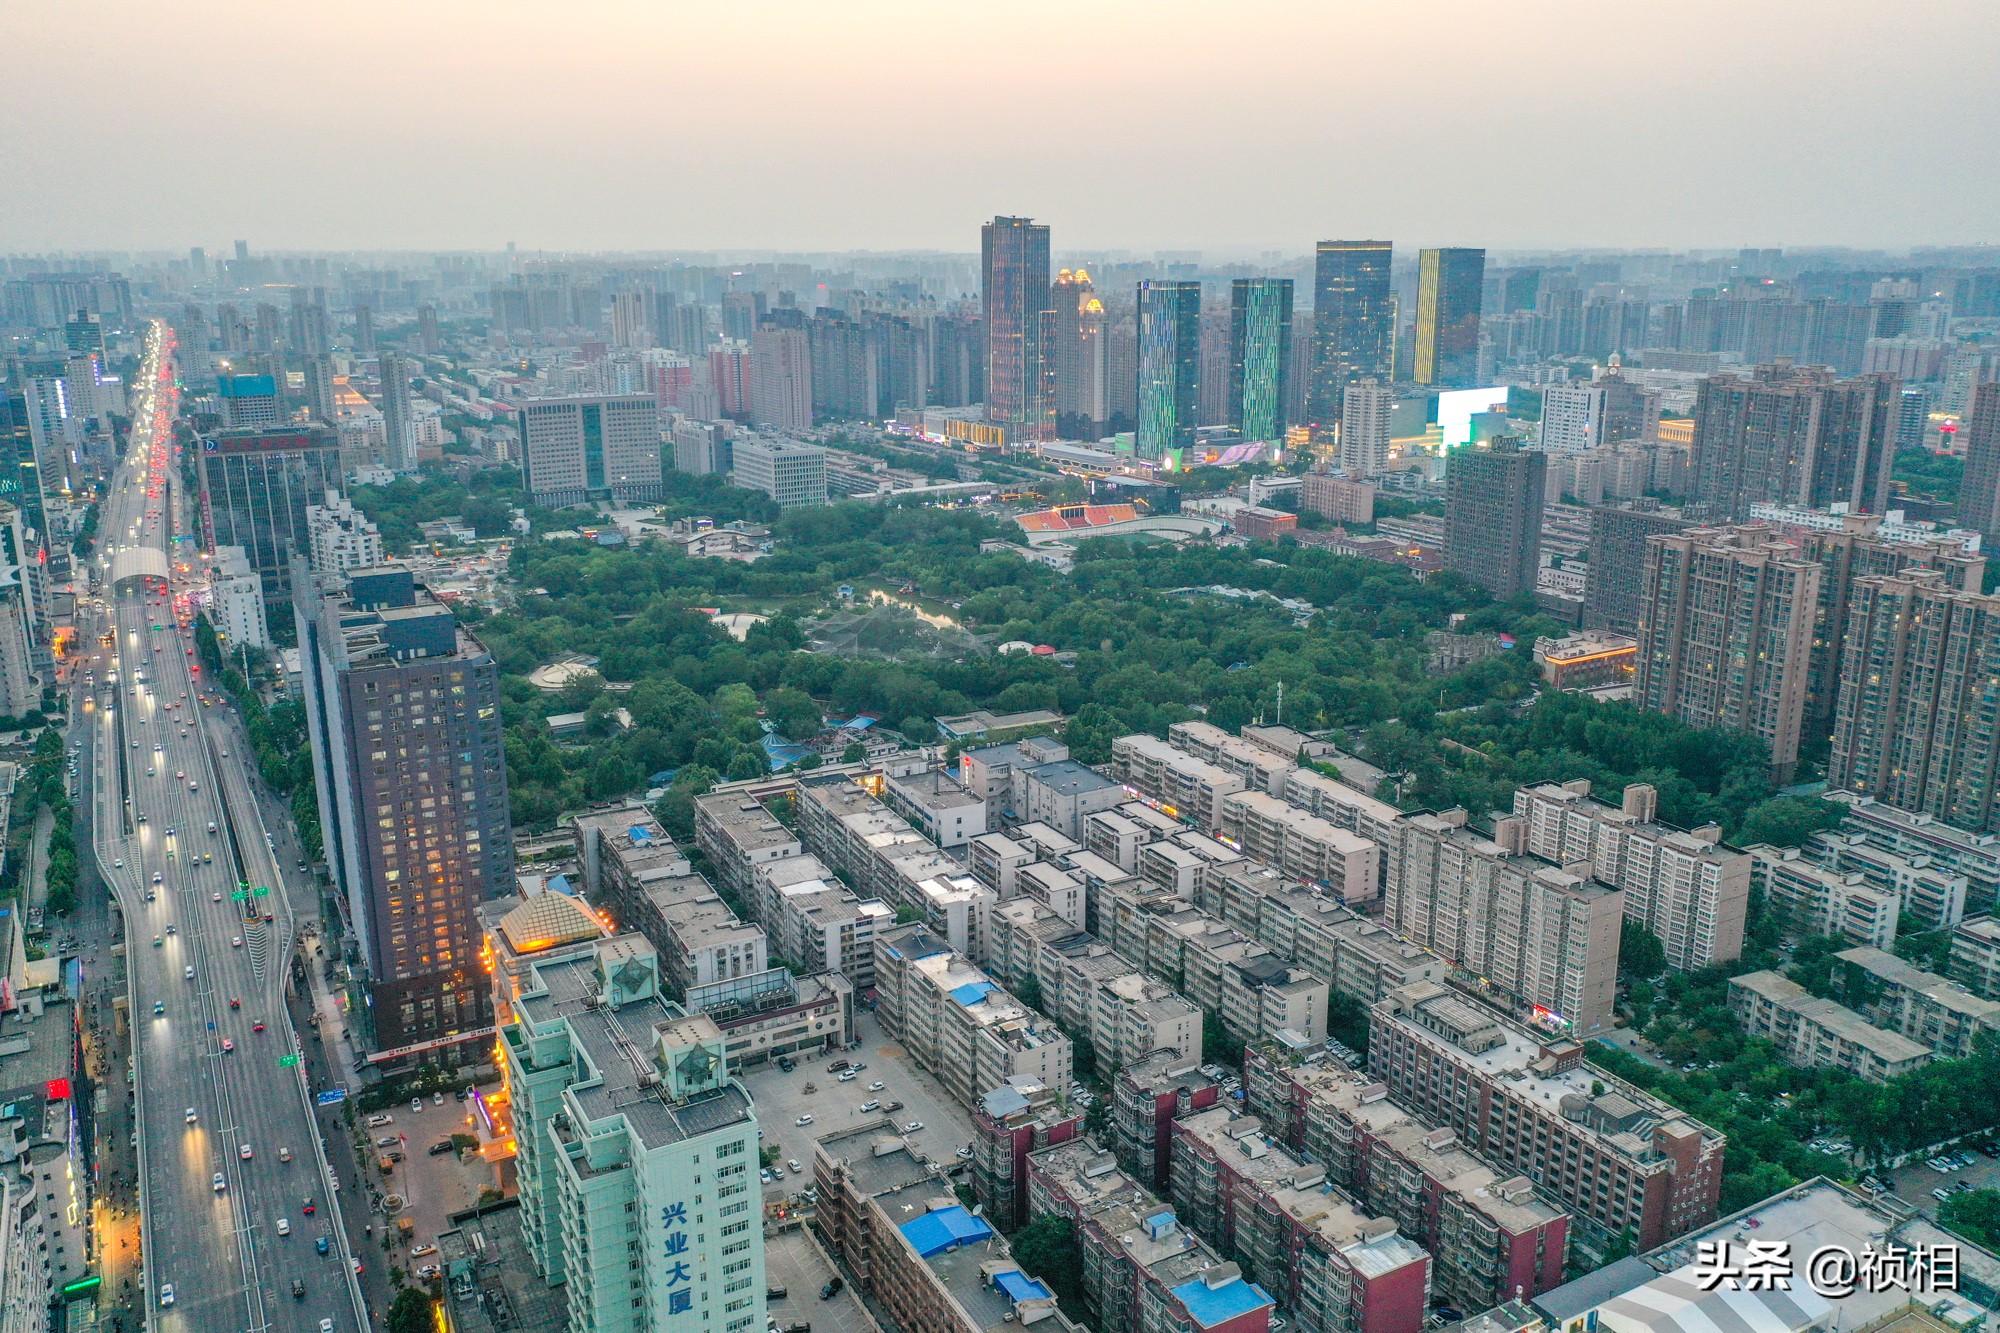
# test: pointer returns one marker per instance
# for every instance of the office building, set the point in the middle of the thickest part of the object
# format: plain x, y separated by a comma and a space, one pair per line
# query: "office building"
781, 375
402, 703
399, 425
1493, 516
1686, 887
1572, 418
1490, 1235
249, 401
1620, 1159
340, 536
1143, 1270
1081, 358
703, 446
1354, 323
621, 1103
1169, 371
1725, 633
1915, 675
1979, 492
1542, 937
1014, 296
1367, 409
256, 486
1450, 284
1819, 1034
600, 447
1260, 356
967, 1032
789, 471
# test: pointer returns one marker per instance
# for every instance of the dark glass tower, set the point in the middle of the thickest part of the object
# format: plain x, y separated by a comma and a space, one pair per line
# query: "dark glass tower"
1014, 288
1260, 356
1169, 369
1450, 286
1354, 323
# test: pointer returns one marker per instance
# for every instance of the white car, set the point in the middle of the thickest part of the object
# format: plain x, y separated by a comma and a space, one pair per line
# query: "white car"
380, 1118
284, 1226
416, 1104
188, 972
220, 1183
876, 1086
913, 1126
845, 1076
792, 1165
244, 1152
191, 1116
166, 1293
803, 1120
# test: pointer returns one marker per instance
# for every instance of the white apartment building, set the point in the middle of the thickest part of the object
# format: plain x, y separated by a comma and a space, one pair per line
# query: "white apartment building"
236, 600
342, 537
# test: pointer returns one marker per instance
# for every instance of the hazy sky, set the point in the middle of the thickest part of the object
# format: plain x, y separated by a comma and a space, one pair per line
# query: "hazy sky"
871, 124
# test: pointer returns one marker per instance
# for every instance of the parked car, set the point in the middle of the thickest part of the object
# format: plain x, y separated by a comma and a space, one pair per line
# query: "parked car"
774, 1293
832, 1287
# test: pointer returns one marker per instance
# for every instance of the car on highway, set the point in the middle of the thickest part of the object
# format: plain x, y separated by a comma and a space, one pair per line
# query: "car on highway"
228, 1045
166, 1294
326, 1326
258, 1026
244, 1152
188, 972
159, 1007
284, 1154
191, 1117
235, 941
298, 1289
159, 878
220, 1183
307, 1207
322, 1245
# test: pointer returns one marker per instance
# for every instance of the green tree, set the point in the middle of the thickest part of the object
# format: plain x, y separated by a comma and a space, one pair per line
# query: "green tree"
410, 1312
1974, 1215
1786, 821
793, 713
1640, 953
1046, 1248
1217, 1046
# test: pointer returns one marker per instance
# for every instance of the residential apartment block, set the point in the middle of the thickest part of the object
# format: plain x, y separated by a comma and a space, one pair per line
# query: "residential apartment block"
1324, 1259
957, 1023
1685, 887
1956, 851
1617, 1157
1146, 1098
1820, 1034
1355, 953
1923, 1006
1020, 1117
1184, 786
1542, 937
1143, 1272
1490, 1236
1302, 845
1975, 956
1808, 899
1260, 768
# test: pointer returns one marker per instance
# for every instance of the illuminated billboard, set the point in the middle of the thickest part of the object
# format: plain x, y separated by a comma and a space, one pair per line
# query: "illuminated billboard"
1457, 407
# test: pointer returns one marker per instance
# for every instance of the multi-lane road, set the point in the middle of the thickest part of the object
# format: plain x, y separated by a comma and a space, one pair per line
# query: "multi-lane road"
236, 1211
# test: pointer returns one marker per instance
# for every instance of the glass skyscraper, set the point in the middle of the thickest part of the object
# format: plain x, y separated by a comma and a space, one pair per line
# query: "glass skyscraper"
1450, 284
1014, 289
1260, 356
1169, 370
1354, 323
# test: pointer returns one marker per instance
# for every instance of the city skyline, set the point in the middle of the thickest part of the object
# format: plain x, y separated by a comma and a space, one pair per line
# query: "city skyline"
441, 115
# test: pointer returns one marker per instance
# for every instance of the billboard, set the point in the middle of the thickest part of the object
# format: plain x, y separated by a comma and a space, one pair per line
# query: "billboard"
1456, 408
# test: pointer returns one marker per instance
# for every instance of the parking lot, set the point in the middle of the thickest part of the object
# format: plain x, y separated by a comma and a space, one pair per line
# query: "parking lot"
1914, 1183
433, 1187
781, 1099
793, 1262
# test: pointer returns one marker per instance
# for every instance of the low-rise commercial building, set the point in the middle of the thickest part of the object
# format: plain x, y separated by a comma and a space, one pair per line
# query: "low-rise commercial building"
1588, 660
1819, 1034
1621, 1160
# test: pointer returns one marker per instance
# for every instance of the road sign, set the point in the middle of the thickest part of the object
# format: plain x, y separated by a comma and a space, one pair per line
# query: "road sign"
331, 1096
237, 895
261, 891
287, 1061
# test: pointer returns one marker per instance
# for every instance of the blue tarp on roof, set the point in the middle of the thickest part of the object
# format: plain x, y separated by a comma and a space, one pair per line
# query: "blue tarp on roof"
1018, 1286
558, 884
858, 723
782, 752
1214, 1305
934, 1233
640, 834
972, 992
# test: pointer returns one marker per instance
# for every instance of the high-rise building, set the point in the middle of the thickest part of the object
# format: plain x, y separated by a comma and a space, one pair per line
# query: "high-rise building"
1169, 370
318, 372
629, 325
403, 709
1540, 935
598, 447
1081, 356
1725, 633
789, 471
427, 330
1979, 492
1450, 286
1618, 533
1354, 323
256, 486
342, 537
364, 329
1260, 356
1366, 410
781, 375
399, 426
249, 401
839, 352
1789, 435
1572, 418
84, 335
625, 1107
1916, 691
20, 690
1014, 293
1493, 516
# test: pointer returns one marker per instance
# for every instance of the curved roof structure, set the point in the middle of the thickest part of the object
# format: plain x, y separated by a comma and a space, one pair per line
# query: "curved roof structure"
547, 920
138, 562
